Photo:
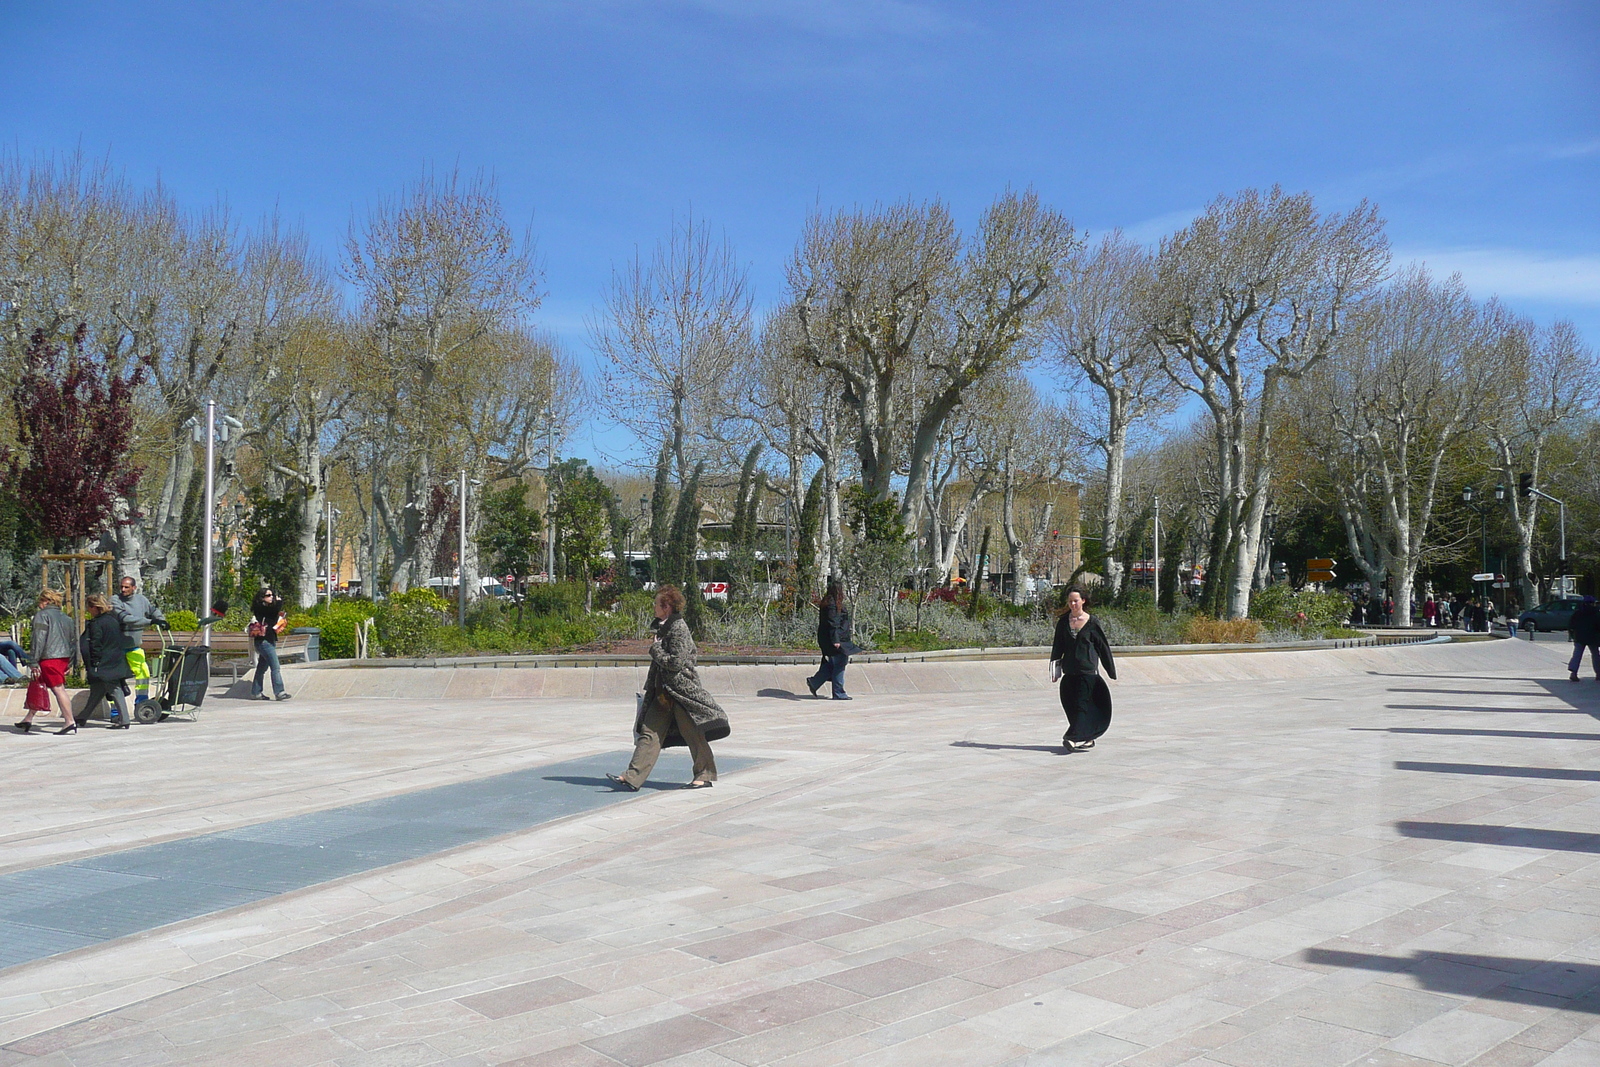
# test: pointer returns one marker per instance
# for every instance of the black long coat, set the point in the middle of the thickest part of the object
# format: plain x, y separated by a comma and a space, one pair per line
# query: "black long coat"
834, 628
105, 649
1085, 697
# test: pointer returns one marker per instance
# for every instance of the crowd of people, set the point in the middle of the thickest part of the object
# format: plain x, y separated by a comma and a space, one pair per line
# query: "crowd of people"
110, 649
1458, 611
674, 709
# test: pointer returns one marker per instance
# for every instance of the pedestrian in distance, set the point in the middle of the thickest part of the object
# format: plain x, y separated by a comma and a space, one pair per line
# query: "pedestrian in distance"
266, 623
54, 650
1584, 629
14, 661
1430, 613
1080, 647
833, 641
675, 709
104, 647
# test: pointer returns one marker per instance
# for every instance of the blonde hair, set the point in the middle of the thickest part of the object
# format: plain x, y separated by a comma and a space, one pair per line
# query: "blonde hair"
52, 597
97, 603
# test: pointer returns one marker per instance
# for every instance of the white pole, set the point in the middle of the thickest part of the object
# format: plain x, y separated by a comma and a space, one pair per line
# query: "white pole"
205, 555
328, 583
1157, 565
461, 557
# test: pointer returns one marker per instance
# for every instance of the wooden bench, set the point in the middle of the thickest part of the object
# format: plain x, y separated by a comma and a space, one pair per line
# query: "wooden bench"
230, 644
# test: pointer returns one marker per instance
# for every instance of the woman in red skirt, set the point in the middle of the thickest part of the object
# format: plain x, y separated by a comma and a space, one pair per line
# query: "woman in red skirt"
55, 646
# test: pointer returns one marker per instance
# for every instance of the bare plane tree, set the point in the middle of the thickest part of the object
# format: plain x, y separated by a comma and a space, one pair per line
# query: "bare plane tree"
1412, 377
440, 272
1551, 382
1099, 335
675, 332
1248, 297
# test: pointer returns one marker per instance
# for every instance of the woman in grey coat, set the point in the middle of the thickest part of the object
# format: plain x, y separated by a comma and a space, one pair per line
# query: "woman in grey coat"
55, 646
676, 709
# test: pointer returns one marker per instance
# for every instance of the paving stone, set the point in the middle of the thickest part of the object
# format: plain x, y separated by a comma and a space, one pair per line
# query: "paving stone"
913, 878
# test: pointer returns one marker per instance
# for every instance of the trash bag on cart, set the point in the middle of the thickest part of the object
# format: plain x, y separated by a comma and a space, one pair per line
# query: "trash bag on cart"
189, 685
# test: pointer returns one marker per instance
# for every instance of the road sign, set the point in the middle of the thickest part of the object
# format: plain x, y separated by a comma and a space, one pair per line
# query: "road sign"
1483, 577
1319, 564
1320, 576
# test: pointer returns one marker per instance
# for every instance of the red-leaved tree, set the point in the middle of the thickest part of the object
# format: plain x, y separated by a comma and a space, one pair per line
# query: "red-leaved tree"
74, 418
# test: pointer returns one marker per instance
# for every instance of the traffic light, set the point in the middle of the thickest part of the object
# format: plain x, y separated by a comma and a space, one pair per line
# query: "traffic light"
1525, 485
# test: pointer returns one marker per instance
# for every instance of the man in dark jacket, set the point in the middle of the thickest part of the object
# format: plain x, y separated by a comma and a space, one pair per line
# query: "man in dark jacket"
1584, 629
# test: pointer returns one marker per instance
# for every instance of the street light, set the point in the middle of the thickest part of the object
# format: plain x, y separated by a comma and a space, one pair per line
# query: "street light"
210, 433
1467, 495
327, 584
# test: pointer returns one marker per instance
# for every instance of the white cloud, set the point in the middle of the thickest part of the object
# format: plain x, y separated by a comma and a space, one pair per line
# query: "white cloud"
1514, 273
1151, 230
1575, 150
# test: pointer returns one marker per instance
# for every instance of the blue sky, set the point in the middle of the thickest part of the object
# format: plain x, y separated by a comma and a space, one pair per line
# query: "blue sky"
1474, 125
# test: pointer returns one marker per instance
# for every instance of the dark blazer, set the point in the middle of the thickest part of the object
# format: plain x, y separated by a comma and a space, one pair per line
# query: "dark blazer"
1584, 627
833, 628
1078, 652
105, 649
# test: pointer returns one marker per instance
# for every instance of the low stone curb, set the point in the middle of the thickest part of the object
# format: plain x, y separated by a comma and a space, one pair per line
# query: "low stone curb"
538, 661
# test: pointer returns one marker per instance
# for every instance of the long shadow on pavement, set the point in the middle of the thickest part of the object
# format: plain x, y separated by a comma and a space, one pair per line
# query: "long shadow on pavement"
1011, 748
1487, 709
1445, 731
1513, 836
1563, 774
1547, 983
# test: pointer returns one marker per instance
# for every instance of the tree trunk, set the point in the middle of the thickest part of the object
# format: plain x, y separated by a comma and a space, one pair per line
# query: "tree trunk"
1008, 524
1111, 521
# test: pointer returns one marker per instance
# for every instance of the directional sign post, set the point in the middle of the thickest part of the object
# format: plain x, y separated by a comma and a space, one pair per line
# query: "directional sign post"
1487, 576
1320, 570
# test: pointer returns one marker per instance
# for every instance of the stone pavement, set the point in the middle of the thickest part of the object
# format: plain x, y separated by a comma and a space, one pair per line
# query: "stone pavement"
1397, 865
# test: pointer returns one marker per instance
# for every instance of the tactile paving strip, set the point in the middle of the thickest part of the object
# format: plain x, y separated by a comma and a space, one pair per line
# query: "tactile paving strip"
49, 910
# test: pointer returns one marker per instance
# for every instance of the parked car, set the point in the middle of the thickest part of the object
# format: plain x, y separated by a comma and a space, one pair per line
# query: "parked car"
1552, 615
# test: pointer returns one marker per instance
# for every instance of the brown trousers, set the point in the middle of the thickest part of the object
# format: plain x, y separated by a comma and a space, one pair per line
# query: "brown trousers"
659, 716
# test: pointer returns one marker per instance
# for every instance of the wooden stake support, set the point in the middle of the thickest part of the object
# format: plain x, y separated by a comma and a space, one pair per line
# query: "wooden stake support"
76, 577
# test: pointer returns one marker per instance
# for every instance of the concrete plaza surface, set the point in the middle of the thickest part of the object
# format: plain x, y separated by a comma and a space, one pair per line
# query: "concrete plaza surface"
1378, 857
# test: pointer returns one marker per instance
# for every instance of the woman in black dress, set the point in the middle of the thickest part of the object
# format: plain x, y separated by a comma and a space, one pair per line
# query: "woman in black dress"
1079, 647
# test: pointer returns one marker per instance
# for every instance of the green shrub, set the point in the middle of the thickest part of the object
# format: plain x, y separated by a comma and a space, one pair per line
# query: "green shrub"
237, 618
408, 623
1282, 607
339, 622
912, 641
488, 613
183, 621
563, 600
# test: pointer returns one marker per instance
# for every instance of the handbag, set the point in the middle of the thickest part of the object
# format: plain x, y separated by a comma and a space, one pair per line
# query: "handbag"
38, 697
257, 628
